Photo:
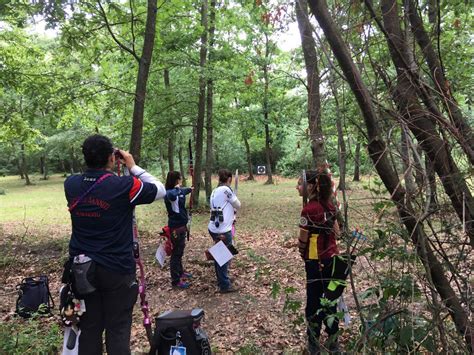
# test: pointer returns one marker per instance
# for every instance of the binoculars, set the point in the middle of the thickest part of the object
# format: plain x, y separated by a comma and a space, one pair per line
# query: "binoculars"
217, 216
117, 154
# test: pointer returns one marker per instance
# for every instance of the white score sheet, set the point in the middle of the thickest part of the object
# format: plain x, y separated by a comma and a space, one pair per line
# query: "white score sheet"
220, 253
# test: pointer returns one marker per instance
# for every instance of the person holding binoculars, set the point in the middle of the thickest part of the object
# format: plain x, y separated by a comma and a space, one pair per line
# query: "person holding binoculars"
223, 203
101, 205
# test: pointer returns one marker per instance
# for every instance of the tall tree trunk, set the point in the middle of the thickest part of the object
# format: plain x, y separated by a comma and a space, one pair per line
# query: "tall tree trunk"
418, 164
378, 154
210, 105
171, 138
162, 164
181, 165
216, 159
75, 163
142, 78
44, 167
171, 149
73, 160
357, 162
407, 162
421, 122
20, 169
312, 74
249, 157
463, 129
45, 175
432, 11
268, 154
41, 164
201, 105
431, 177
342, 157
268, 140
209, 145
341, 144
342, 154
244, 131
24, 166
63, 165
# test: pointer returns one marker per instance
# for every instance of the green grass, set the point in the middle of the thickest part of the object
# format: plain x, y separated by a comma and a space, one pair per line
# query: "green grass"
44, 204
16, 337
40, 204
264, 207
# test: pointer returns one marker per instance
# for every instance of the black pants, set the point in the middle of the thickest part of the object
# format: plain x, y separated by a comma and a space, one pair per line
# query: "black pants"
176, 264
317, 280
110, 309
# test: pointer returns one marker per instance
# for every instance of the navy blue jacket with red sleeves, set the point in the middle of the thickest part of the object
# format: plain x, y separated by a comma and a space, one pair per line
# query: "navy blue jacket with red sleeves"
102, 221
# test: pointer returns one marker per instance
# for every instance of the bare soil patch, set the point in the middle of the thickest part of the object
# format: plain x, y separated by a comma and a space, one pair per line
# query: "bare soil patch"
252, 318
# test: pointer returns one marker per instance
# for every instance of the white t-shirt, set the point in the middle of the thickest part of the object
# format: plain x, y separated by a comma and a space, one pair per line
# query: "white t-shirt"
226, 199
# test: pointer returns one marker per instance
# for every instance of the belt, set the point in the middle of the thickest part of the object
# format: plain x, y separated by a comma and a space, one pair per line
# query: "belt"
179, 229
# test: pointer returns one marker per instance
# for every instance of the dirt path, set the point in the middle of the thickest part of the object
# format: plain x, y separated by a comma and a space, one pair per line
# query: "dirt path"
246, 320
267, 270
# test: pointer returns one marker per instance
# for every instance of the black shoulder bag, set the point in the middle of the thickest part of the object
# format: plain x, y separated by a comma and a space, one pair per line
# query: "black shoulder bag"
180, 328
34, 297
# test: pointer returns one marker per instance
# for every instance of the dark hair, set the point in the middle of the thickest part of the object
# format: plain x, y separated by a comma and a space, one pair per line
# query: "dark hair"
322, 185
224, 175
96, 150
171, 179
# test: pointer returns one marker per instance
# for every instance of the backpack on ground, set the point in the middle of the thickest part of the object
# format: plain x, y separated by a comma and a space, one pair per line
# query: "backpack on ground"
180, 329
34, 297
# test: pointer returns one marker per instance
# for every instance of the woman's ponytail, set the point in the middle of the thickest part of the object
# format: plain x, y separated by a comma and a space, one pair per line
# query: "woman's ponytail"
322, 186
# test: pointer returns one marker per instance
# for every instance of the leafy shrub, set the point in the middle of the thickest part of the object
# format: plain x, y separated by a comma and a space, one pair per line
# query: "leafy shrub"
30, 336
249, 349
292, 306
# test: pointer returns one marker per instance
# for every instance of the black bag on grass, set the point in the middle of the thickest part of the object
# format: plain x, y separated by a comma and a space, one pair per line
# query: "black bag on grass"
181, 327
34, 296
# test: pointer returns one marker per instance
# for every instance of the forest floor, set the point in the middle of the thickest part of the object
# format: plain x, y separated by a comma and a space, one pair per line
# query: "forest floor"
265, 316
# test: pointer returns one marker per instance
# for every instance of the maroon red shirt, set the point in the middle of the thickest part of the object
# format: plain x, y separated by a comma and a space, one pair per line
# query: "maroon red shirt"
319, 219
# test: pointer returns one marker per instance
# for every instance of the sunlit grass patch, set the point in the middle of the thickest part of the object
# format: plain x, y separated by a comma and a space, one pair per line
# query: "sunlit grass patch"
43, 206
43, 203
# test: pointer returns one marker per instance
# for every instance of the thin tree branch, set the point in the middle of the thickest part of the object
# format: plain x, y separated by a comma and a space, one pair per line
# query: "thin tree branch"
110, 87
120, 44
132, 26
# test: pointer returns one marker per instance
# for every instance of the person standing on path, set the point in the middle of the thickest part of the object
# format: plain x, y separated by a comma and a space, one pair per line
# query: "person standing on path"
317, 247
101, 205
223, 202
175, 202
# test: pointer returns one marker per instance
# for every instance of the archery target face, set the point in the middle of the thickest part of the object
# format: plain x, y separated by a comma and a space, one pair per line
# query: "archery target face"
261, 169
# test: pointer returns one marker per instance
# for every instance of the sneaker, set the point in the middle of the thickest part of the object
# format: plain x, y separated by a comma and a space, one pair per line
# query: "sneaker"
229, 290
186, 275
182, 285
231, 279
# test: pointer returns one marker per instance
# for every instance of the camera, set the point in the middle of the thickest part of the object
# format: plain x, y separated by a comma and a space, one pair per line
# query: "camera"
217, 216
117, 154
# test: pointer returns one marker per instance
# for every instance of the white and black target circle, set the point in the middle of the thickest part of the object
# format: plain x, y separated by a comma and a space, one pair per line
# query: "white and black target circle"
261, 169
